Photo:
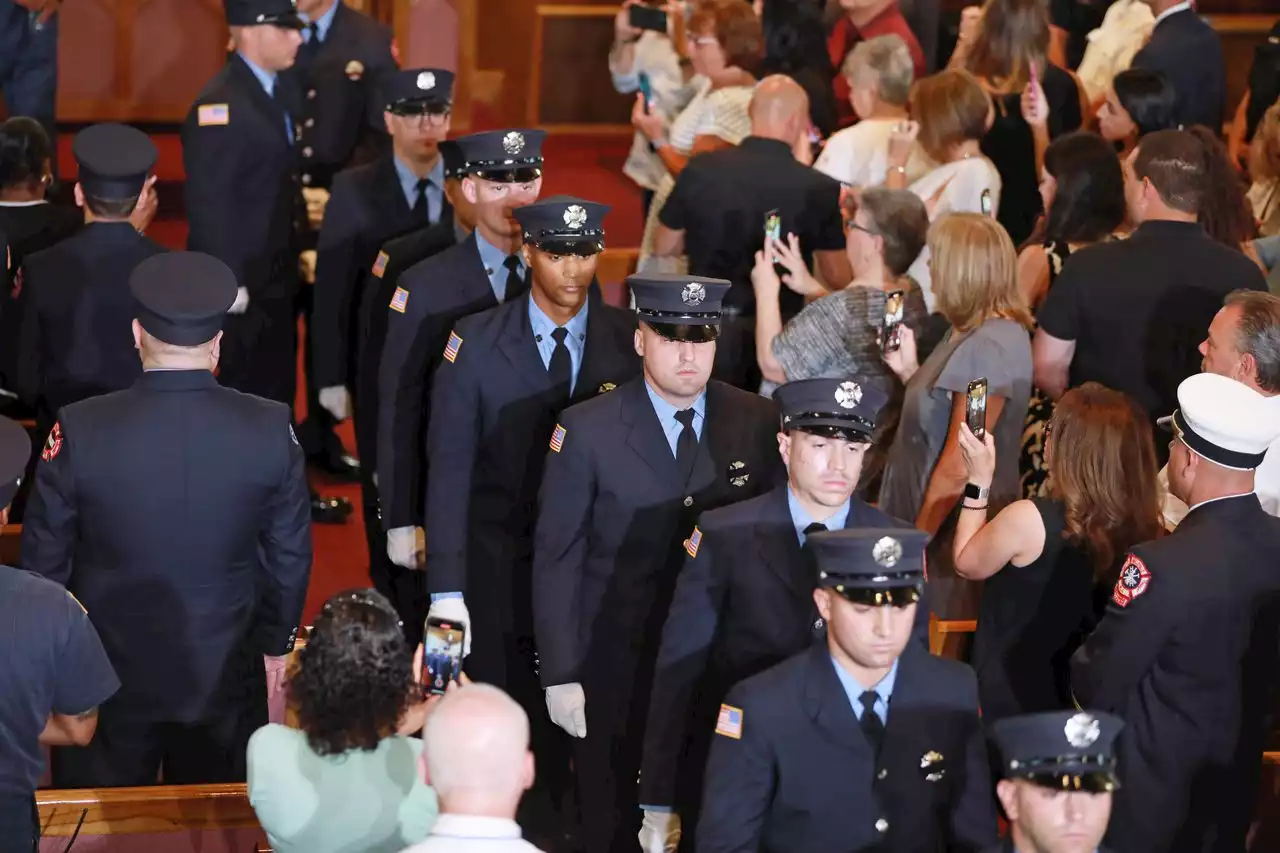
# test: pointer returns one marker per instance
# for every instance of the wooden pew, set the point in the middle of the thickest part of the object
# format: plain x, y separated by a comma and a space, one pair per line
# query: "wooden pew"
10, 537
156, 810
945, 635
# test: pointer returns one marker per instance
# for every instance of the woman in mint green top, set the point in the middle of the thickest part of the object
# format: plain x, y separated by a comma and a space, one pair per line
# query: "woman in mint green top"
349, 781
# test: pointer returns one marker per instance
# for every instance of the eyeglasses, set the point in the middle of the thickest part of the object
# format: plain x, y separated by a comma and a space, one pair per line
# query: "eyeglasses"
701, 41
426, 119
852, 225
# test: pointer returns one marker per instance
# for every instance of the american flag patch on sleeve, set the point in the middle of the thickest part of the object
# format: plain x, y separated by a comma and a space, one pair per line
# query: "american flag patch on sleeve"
557, 438
399, 300
213, 114
451, 351
691, 544
729, 722
380, 265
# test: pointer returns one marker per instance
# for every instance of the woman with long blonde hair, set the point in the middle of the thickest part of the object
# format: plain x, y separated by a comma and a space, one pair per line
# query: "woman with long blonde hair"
1047, 562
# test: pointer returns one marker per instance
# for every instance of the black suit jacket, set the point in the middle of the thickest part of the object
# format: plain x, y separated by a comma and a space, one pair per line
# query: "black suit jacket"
438, 292
1188, 52
177, 512
77, 334
803, 776
367, 207
242, 193
341, 120
613, 512
1187, 664
743, 603
492, 413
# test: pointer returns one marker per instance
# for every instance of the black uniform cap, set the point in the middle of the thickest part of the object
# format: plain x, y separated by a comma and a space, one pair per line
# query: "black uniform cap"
840, 408
564, 225
1062, 750
418, 90
871, 565
15, 451
505, 156
183, 296
451, 154
680, 307
114, 160
251, 13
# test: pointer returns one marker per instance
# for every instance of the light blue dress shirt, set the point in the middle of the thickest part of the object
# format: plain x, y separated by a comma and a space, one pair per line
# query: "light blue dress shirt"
801, 519
493, 259
268, 81
435, 187
667, 416
323, 23
576, 340
884, 690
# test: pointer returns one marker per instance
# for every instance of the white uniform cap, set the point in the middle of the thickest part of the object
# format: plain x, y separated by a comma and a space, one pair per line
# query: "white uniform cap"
1225, 421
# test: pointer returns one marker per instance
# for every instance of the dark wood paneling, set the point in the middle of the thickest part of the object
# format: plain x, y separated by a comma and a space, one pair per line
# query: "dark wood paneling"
574, 83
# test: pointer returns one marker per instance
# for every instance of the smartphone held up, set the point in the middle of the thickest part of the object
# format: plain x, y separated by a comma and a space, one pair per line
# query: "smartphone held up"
975, 408
442, 654
895, 303
645, 17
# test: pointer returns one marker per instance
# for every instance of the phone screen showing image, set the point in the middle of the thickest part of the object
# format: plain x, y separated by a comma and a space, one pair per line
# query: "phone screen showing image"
773, 230
442, 654
975, 407
894, 306
986, 202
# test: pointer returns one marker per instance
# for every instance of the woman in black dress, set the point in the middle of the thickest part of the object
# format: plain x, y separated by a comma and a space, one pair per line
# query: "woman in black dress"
1044, 559
1082, 186
1008, 57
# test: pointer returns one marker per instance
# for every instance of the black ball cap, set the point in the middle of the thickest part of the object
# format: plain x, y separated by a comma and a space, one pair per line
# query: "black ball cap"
183, 296
252, 13
417, 90
114, 159
1062, 750
871, 565
15, 451
563, 224
843, 408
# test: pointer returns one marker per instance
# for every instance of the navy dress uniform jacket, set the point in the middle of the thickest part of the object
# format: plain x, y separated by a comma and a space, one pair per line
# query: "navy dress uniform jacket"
367, 207
177, 512
439, 292
803, 776
341, 122
493, 411
77, 326
742, 604
1187, 663
243, 202
1188, 52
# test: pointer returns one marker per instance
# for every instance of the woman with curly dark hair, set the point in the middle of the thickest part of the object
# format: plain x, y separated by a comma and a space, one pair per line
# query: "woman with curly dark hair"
348, 779
1049, 563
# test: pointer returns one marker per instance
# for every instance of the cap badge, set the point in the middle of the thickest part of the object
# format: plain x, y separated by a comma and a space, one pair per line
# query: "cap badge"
354, 69
575, 216
426, 80
513, 142
1082, 730
848, 395
693, 293
887, 552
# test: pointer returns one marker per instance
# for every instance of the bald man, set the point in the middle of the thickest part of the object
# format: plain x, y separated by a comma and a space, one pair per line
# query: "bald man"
718, 210
476, 751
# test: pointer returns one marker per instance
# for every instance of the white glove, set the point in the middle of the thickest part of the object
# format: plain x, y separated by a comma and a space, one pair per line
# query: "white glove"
242, 301
336, 400
403, 547
660, 832
454, 610
317, 200
567, 706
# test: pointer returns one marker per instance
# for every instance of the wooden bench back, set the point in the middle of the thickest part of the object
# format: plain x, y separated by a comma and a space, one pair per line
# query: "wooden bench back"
10, 538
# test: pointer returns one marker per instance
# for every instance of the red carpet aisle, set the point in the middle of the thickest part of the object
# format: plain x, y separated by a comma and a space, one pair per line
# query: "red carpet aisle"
576, 165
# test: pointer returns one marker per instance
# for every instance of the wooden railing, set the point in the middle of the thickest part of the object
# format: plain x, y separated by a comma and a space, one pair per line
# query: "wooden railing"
158, 809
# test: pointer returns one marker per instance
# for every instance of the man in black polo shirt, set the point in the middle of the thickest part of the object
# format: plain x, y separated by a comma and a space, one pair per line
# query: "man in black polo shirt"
1131, 313
54, 672
716, 214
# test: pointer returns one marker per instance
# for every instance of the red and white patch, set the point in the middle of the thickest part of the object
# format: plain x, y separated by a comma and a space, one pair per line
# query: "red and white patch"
53, 445
1134, 579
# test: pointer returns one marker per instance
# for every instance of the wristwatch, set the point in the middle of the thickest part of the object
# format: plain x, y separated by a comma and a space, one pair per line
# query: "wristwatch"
974, 492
